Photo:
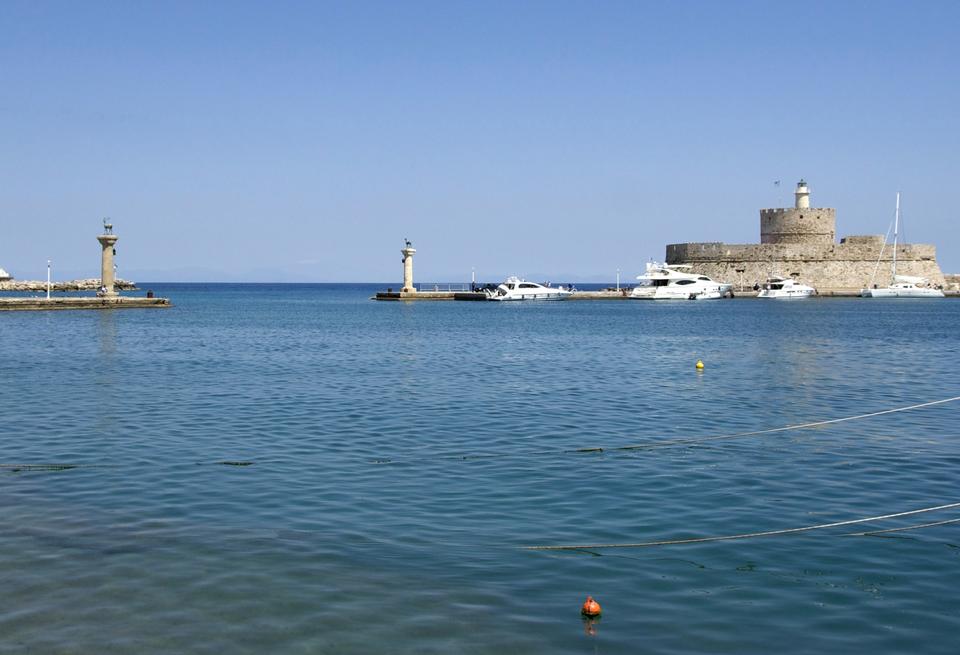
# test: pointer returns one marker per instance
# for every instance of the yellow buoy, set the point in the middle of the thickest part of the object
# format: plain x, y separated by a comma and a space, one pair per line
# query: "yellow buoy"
699, 364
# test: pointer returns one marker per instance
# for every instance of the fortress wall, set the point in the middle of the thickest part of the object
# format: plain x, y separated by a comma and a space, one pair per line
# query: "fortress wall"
873, 239
793, 225
800, 242
832, 267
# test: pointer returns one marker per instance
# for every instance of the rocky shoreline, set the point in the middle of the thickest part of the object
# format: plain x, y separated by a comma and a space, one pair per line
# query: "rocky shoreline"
88, 284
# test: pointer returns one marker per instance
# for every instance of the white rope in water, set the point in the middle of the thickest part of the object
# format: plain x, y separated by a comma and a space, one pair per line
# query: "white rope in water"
799, 426
670, 442
748, 535
904, 529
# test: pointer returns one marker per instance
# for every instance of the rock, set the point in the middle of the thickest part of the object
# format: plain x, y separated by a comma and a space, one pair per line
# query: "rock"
87, 284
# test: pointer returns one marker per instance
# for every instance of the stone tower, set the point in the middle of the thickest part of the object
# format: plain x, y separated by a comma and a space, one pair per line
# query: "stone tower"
107, 241
799, 224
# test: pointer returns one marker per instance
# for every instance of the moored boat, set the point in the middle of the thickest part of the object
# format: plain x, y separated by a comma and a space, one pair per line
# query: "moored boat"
676, 282
901, 286
514, 288
785, 288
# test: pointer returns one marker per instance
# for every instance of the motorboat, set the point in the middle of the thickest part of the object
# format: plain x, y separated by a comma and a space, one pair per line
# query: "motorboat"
785, 288
677, 282
902, 286
514, 288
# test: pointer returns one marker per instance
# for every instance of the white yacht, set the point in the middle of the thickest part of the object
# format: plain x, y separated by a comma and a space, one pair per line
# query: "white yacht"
785, 288
516, 289
902, 286
676, 282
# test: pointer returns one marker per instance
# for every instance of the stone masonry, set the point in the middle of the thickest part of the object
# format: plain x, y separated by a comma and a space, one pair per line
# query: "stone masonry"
799, 242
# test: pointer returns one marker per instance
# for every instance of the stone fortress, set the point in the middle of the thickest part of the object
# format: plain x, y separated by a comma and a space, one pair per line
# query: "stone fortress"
800, 242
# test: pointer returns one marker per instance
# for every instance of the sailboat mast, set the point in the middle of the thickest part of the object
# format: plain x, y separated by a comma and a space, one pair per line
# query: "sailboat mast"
896, 229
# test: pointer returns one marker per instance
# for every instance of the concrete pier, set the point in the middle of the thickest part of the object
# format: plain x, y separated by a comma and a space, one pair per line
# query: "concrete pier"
416, 295
106, 298
85, 302
623, 294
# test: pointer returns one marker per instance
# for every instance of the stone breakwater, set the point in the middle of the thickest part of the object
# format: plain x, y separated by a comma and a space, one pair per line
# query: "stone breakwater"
88, 284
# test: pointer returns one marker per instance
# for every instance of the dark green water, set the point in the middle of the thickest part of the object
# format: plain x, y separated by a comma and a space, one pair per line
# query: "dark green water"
403, 454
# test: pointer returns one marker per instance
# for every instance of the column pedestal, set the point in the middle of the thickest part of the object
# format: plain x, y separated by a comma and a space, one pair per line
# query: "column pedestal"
107, 242
408, 253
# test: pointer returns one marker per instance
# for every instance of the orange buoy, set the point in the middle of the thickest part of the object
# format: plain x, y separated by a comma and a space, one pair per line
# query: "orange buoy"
590, 607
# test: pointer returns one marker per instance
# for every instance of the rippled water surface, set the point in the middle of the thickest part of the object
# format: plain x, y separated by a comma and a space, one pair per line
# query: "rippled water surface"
400, 455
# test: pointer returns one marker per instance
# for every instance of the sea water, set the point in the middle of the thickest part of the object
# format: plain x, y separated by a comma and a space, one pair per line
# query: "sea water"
297, 469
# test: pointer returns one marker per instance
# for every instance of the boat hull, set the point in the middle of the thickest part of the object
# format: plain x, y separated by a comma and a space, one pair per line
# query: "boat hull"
712, 291
901, 293
531, 297
785, 294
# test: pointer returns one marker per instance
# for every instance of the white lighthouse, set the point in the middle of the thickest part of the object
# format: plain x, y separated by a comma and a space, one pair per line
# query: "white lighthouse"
802, 195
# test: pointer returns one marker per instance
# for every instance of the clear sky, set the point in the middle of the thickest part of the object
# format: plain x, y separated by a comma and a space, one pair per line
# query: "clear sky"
302, 141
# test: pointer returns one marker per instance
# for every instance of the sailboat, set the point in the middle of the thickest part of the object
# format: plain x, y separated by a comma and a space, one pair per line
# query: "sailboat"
901, 286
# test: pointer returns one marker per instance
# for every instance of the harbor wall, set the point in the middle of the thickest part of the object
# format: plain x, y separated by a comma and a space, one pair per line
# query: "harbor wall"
848, 265
83, 302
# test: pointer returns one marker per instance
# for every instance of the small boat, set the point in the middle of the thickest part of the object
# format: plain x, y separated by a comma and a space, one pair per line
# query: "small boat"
785, 288
902, 286
513, 288
676, 282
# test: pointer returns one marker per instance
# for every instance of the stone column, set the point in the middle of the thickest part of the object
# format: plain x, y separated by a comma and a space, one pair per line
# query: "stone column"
408, 253
107, 241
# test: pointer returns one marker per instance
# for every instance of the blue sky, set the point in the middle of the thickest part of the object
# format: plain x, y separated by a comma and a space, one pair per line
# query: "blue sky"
302, 141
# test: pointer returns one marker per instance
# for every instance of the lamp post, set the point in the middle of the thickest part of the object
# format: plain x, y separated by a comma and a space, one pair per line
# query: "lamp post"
48, 279
740, 271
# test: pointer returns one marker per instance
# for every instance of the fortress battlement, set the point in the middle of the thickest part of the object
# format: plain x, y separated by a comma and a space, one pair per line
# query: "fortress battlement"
800, 241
